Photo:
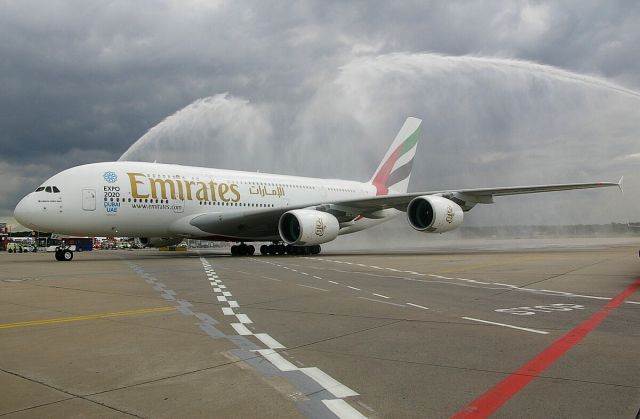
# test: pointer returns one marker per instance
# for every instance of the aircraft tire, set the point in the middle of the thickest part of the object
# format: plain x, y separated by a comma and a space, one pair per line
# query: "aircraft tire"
263, 249
58, 256
67, 255
234, 250
251, 250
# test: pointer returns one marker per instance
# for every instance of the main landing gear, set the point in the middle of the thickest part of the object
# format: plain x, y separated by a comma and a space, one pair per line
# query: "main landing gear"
63, 254
242, 250
274, 249
281, 249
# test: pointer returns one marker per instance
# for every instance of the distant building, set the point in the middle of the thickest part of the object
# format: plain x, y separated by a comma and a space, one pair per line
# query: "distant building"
4, 236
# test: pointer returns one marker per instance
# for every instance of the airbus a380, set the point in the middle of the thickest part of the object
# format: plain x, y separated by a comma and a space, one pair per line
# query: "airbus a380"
162, 204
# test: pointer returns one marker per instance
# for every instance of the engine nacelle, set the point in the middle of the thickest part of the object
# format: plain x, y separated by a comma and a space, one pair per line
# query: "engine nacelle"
434, 214
308, 227
158, 241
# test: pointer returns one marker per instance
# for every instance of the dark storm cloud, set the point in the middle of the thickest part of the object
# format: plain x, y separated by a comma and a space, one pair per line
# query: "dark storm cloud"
81, 81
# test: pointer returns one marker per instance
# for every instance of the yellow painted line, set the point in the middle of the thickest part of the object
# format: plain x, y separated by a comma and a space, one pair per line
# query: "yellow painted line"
88, 317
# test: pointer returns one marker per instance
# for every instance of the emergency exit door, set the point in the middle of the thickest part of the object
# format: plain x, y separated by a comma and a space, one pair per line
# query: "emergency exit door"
89, 199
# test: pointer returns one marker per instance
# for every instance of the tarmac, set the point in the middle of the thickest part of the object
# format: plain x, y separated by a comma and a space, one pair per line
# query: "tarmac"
500, 328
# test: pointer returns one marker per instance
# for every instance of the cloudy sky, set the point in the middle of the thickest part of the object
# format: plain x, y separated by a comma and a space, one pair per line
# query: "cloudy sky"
511, 92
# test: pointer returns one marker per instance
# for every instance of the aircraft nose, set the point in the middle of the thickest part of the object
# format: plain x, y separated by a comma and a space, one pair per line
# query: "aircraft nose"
23, 211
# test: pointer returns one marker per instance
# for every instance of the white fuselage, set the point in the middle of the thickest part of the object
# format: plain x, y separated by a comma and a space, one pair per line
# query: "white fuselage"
158, 200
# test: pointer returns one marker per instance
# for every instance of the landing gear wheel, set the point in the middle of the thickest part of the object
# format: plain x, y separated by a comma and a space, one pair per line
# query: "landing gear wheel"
59, 256
263, 249
234, 250
315, 250
251, 250
67, 255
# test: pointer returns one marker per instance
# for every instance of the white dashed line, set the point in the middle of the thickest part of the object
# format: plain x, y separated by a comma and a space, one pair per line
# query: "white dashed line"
277, 360
243, 318
416, 305
272, 279
241, 329
354, 288
309, 286
233, 304
542, 332
317, 277
222, 298
343, 409
380, 295
331, 384
227, 311
269, 341
381, 301
334, 282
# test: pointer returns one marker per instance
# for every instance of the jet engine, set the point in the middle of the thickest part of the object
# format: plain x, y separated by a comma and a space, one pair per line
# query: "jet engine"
157, 241
434, 214
307, 227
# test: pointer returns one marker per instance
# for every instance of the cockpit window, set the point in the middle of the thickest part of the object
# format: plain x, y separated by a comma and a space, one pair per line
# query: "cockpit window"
41, 188
47, 189
55, 189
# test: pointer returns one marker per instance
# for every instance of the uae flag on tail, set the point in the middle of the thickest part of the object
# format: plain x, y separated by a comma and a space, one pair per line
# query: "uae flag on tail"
395, 169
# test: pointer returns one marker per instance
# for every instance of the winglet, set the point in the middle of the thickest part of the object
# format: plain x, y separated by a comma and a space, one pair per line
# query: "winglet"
620, 184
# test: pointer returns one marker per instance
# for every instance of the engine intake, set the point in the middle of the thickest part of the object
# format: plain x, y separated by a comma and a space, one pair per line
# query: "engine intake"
308, 227
434, 214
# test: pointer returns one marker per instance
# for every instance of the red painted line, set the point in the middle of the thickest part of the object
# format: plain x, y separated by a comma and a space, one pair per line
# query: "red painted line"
493, 399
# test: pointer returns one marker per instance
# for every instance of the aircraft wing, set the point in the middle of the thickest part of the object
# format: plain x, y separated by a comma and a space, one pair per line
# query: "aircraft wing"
263, 223
466, 198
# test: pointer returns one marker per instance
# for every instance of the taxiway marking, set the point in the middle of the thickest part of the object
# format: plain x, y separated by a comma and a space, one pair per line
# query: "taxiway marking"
380, 295
87, 317
342, 409
354, 288
526, 329
381, 301
338, 406
416, 305
315, 288
493, 399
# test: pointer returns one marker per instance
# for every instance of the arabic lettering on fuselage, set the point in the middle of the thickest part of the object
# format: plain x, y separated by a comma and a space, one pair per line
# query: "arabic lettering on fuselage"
263, 191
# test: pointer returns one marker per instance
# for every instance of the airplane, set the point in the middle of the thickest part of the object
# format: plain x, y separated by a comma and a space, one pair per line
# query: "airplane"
162, 204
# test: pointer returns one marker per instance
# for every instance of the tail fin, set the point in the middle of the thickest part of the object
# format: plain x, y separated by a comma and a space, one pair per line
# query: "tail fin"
395, 169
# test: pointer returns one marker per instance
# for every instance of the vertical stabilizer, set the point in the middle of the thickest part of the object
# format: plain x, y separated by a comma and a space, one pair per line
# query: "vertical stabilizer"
395, 169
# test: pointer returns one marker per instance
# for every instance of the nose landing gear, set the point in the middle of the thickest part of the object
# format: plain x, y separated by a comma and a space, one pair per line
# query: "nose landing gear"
63, 254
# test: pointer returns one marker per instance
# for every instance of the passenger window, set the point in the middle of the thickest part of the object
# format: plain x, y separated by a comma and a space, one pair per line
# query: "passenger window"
47, 189
41, 188
55, 189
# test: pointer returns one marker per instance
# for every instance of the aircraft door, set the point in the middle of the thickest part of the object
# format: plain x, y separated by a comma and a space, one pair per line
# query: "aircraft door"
89, 199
